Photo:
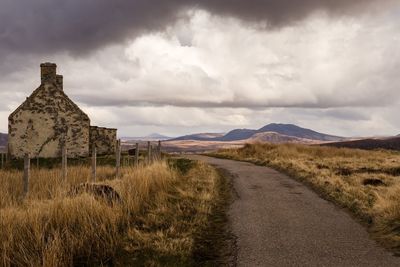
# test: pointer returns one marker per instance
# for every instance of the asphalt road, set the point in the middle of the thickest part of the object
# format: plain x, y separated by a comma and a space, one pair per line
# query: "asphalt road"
280, 222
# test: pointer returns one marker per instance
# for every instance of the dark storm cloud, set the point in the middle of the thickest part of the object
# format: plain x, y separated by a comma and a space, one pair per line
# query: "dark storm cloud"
79, 26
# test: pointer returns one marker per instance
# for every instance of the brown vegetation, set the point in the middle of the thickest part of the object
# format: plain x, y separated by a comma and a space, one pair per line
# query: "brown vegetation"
193, 146
370, 144
365, 182
157, 221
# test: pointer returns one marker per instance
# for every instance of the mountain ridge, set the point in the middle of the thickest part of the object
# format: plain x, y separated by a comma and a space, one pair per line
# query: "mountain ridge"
392, 143
237, 134
150, 137
277, 138
294, 130
198, 137
3, 139
286, 130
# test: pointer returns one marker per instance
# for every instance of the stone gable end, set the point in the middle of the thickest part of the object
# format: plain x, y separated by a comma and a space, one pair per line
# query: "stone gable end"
48, 120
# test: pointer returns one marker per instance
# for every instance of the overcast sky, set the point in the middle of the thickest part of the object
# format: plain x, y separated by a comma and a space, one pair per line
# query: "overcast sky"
183, 66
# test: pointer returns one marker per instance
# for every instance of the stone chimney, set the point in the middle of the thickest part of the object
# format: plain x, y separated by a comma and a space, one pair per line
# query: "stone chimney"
48, 73
59, 81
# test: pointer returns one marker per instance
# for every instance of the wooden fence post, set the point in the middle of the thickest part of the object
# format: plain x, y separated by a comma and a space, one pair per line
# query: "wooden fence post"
159, 149
8, 154
27, 174
137, 155
148, 152
94, 163
153, 154
118, 159
64, 162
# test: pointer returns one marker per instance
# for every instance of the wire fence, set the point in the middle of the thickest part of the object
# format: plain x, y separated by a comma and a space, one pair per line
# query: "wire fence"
129, 158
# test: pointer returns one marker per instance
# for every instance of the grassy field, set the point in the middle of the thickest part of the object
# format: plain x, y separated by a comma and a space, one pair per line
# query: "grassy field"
163, 219
365, 182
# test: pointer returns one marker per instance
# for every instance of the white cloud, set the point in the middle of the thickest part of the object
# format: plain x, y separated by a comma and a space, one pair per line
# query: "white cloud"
215, 73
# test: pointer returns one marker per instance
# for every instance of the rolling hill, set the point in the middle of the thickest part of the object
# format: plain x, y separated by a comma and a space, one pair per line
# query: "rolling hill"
3, 139
198, 137
277, 138
370, 144
293, 130
237, 134
286, 130
151, 137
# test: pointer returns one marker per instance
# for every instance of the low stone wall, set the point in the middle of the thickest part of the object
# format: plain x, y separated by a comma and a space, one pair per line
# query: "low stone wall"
104, 139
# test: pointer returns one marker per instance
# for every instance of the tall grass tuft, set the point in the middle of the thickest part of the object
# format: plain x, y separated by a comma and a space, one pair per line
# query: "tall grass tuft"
51, 228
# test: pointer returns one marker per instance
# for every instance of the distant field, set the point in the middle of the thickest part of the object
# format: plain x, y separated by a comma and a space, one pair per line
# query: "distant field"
193, 146
365, 182
161, 220
196, 146
370, 144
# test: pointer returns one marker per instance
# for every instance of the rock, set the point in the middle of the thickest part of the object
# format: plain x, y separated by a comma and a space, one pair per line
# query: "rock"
99, 191
373, 182
132, 152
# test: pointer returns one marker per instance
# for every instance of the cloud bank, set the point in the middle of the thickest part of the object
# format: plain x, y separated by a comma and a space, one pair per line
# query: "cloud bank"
80, 27
170, 66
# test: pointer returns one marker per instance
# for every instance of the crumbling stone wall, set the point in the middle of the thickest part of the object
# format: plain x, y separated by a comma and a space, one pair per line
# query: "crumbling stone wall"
47, 120
104, 139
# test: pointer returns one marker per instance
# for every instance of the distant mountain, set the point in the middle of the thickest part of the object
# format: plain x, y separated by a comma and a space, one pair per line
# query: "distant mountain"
276, 138
3, 139
284, 130
293, 130
198, 137
158, 136
238, 134
151, 137
3, 142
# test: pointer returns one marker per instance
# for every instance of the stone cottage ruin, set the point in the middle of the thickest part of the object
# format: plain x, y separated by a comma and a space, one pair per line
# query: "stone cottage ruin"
48, 120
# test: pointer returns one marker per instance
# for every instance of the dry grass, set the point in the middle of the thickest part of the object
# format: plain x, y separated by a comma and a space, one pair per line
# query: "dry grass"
339, 174
161, 211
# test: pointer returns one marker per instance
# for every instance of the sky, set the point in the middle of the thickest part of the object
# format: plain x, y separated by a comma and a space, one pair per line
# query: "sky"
183, 66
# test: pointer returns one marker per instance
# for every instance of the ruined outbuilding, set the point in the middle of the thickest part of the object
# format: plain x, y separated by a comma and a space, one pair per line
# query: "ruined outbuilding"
49, 119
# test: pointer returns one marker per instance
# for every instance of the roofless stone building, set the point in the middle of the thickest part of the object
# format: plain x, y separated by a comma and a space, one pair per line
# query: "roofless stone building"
49, 119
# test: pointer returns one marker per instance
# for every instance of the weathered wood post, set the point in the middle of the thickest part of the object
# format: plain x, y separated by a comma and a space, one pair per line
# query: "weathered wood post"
153, 154
27, 173
8, 154
148, 152
118, 159
94, 163
137, 155
64, 163
159, 149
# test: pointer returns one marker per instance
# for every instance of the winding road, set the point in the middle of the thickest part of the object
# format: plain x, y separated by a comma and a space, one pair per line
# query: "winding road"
278, 221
